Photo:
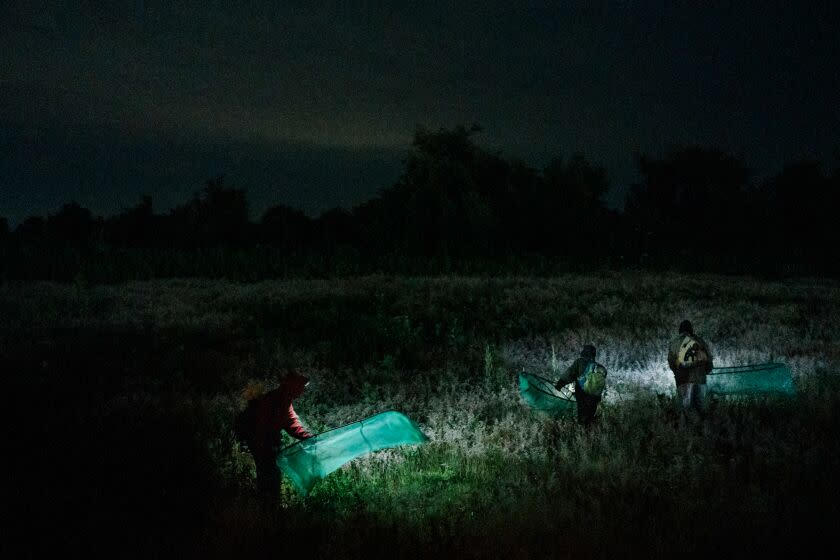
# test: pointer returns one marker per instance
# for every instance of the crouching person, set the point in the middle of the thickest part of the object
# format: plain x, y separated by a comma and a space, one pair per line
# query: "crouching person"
261, 424
590, 379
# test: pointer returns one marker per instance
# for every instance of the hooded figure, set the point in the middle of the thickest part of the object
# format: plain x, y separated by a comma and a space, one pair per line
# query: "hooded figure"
265, 418
690, 359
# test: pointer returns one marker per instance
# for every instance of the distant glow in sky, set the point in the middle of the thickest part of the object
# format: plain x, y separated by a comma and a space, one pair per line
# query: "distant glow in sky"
266, 93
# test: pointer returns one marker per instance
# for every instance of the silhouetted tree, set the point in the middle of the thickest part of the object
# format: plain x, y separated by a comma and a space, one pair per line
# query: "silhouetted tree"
691, 207
456, 199
694, 210
137, 227
437, 183
580, 184
71, 226
439, 206
578, 222
336, 228
381, 223
32, 232
216, 216
803, 207
511, 191
4, 249
286, 228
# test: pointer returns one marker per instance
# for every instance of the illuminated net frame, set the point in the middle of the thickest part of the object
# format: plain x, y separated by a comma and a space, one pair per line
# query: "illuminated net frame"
752, 379
308, 461
540, 394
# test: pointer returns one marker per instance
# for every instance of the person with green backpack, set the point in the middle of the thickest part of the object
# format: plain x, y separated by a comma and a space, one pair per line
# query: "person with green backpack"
589, 378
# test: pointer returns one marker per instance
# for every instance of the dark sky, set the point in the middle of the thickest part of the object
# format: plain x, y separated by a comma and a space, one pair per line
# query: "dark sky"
315, 106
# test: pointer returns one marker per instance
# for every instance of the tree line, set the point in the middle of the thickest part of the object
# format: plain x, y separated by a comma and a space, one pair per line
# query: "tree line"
455, 203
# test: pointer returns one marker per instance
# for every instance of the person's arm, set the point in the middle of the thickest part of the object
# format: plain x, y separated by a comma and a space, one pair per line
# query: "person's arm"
567, 377
672, 359
293, 426
709, 364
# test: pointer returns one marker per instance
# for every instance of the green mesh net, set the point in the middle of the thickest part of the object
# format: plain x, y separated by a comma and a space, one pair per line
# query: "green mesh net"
751, 379
540, 394
310, 460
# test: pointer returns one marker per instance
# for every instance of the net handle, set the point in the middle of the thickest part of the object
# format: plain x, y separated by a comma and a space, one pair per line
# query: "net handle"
543, 379
754, 367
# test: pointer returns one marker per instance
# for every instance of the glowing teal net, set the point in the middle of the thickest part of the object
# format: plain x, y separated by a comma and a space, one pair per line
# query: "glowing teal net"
540, 394
310, 460
751, 379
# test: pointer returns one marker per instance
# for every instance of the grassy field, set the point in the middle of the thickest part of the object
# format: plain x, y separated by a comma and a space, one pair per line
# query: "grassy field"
122, 397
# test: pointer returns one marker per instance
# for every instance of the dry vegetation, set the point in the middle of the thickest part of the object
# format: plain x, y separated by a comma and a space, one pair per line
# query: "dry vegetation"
125, 396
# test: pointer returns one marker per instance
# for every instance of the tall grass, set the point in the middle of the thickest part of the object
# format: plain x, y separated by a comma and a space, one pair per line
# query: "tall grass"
138, 384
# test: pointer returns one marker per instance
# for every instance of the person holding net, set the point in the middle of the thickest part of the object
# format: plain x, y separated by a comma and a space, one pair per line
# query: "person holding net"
589, 378
690, 360
260, 427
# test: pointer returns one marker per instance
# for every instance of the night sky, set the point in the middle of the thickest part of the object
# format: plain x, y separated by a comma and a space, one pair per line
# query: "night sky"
315, 106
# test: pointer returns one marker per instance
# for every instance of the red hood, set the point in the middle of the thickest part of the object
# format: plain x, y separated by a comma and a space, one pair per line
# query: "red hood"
292, 385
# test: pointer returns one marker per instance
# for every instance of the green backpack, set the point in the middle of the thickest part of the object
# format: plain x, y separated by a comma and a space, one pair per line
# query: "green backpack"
594, 379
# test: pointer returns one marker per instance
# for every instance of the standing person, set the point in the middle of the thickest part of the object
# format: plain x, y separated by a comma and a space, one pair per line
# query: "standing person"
260, 426
589, 378
690, 359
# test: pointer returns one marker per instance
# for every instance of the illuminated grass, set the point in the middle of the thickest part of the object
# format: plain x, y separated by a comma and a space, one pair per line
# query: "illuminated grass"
166, 362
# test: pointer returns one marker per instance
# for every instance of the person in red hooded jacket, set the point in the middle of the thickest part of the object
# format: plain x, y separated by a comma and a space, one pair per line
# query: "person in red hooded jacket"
261, 426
